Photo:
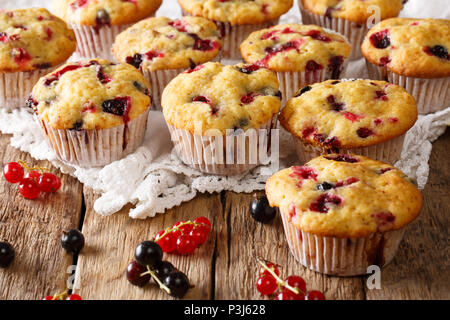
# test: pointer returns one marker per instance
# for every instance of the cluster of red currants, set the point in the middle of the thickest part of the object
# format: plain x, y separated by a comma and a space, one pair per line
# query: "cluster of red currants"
184, 236
33, 182
292, 288
63, 296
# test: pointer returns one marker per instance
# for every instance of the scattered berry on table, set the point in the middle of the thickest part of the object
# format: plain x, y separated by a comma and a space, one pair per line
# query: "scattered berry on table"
29, 188
266, 285
163, 269
148, 253
263, 271
184, 236
72, 241
7, 254
74, 297
261, 211
134, 274
48, 182
315, 295
178, 284
13, 172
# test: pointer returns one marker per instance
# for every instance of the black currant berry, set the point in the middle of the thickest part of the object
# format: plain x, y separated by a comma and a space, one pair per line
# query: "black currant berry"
324, 186
134, 271
6, 254
148, 253
72, 241
178, 283
163, 269
261, 211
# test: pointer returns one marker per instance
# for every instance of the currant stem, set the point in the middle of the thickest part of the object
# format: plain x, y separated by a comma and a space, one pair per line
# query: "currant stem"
61, 296
25, 165
279, 281
153, 275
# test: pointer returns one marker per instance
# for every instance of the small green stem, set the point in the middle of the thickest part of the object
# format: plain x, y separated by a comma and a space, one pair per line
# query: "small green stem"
153, 275
177, 227
279, 281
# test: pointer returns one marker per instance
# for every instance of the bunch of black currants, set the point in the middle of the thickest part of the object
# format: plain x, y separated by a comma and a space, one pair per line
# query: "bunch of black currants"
149, 264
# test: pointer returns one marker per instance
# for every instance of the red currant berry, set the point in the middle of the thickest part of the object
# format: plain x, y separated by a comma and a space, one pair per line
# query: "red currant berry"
168, 243
29, 188
33, 174
315, 295
203, 220
48, 182
48, 298
13, 172
199, 234
299, 283
266, 285
74, 297
271, 266
185, 245
287, 295
186, 228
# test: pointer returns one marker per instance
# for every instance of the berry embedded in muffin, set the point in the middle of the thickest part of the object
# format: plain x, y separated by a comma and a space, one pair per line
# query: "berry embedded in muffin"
32, 39
349, 114
88, 95
410, 47
161, 43
294, 47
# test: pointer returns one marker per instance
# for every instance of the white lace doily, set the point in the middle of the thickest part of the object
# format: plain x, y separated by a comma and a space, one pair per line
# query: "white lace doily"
153, 179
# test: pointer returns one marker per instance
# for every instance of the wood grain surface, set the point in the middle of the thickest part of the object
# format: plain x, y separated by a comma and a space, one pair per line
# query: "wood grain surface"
223, 268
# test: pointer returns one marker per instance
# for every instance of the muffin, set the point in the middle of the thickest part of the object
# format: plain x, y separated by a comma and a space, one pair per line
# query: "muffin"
162, 48
350, 116
412, 53
32, 43
97, 23
352, 18
220, 117
299, 54
344, 213
236, 19
92, 112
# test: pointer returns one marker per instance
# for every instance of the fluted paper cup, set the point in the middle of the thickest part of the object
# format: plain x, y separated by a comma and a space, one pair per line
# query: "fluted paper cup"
97, 147
222, 154
387, 151
97, 42
15, 87
341, 256
431, 94
354, 32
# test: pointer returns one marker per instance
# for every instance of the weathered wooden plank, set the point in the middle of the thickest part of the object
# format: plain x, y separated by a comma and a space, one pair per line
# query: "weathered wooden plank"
243, 240
420, 269
34, 228
110, 245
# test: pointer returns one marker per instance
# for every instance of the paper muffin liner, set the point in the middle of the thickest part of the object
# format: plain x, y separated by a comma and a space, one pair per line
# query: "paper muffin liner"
98, 147
15, 87
387, 151
341, 256
222, 154
159, 79
431, 94
291, 82
94, 42
354, 32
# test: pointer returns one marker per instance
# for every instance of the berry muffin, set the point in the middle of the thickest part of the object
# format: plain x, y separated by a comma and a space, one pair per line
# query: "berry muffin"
299, 54
412, 53
352, 18
236, 19
220, 117
162, 48
350, 116
97, 23
32, 43
343, 213
92, 112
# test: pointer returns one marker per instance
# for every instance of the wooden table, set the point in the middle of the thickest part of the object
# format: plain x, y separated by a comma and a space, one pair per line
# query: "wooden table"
223, 268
